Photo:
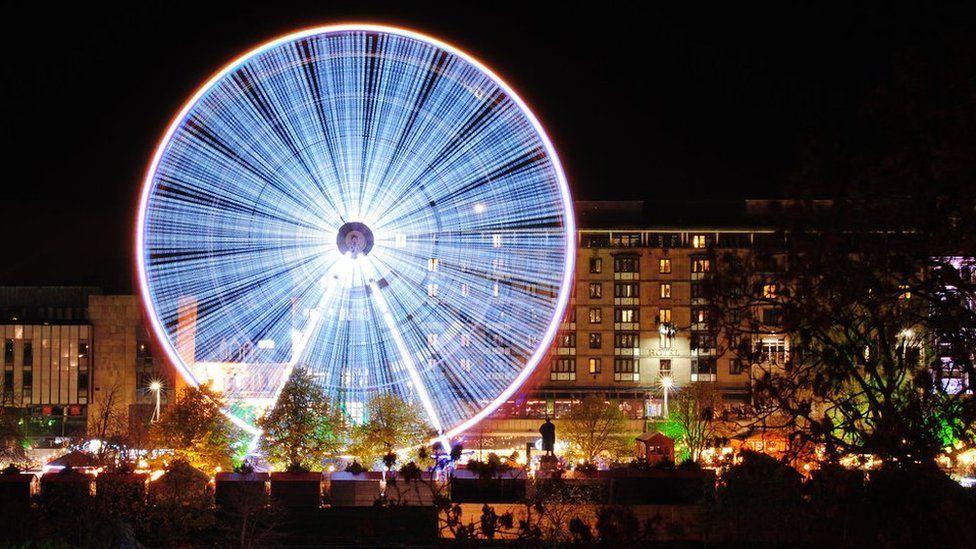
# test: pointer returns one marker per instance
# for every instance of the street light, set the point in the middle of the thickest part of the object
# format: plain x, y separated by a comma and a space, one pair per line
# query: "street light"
156, 387
666, 384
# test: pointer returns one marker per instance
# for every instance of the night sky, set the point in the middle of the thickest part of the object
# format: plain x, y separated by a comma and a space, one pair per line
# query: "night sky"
641, 104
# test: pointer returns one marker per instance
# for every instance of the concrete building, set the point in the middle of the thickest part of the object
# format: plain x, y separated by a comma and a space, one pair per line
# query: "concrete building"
66, 349
637, 317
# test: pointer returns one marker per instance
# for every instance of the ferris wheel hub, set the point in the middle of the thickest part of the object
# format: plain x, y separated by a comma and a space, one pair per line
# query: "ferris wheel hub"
354, 238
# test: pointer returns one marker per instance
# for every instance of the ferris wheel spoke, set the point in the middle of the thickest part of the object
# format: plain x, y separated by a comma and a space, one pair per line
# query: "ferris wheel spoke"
383, 147
406, 358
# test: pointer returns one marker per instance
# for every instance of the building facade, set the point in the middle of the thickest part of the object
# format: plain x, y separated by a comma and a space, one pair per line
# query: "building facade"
637, 324
65, 350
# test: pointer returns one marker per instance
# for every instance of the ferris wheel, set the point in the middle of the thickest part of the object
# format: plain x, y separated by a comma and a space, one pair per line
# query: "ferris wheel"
364, 202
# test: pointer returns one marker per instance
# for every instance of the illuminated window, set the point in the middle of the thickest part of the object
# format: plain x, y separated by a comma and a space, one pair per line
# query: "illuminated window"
626, 289
626, 240
567, 339
625, 340
432, 264
495, 289
664, 266
432, 290
665, 367
496, 241
625, 315
700, 265
664, 316
772, 350
703, 369
464, 290
626, 369
699, 241
431, 340
702, 341
596, 290
596, 265
596, 340
594, 365
596, 315
667, 340
905, 292
769, 291
665, 290
563, 369
626, 265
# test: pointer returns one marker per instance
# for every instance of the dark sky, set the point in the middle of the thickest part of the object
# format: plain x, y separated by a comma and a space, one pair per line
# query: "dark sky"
642, 104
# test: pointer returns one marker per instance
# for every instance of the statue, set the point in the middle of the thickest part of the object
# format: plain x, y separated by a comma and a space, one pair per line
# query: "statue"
548, 432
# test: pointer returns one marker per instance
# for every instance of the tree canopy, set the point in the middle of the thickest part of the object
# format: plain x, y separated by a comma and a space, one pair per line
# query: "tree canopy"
391, 424
196, 430
596, 428
304, 427
875, 302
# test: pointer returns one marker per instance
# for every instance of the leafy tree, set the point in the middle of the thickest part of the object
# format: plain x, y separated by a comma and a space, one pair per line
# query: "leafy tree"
304, 427
758, 499
492, 467
181, 506
196, 430
876, 302
693, 409
596, 428
13, 440
391, 424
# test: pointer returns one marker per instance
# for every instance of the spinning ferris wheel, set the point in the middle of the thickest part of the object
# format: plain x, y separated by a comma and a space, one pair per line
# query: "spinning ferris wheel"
364, 202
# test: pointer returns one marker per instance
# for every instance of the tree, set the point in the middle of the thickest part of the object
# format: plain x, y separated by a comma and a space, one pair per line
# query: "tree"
693, 409
304, 427
13, 440
181, 506
758, 499
109, 424
595, 428
876, 303
391, 424
196, 430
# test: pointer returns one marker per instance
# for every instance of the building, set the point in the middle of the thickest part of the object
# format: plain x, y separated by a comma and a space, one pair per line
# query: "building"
637, 317
66, 349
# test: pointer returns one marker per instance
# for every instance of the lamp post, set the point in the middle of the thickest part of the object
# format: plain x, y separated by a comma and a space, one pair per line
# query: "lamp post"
667, 330
156, 387
666, 384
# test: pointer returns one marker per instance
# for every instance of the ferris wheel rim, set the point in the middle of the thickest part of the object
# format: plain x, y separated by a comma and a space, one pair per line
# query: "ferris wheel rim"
569, 222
